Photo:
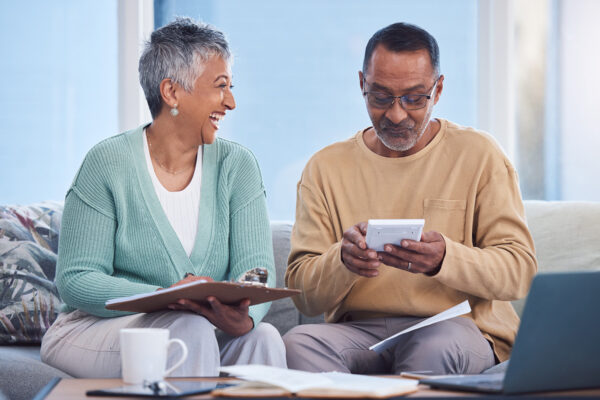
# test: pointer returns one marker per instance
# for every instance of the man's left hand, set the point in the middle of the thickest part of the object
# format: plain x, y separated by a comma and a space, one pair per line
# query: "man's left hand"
424, 257
233, 320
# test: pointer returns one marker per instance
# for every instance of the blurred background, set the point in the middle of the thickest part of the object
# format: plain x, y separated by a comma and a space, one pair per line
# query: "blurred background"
524, 70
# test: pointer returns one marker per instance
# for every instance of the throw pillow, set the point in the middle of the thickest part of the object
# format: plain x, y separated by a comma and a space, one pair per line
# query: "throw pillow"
29, 300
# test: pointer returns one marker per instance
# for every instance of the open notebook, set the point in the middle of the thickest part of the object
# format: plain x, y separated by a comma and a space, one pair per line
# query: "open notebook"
265, 381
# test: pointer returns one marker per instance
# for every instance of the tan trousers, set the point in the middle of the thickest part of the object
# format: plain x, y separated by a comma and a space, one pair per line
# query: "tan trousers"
85, 346
454, 346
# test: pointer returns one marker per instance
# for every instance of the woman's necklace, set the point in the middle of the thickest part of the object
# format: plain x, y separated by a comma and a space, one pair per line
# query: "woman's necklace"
167, 170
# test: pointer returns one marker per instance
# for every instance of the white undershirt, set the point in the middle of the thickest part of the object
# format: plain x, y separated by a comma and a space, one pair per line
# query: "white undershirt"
180, 207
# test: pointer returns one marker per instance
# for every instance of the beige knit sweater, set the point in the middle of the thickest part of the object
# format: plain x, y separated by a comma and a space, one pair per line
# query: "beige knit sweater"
464, 187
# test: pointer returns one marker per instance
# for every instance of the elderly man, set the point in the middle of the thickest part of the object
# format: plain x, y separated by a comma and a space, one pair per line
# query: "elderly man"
476, 244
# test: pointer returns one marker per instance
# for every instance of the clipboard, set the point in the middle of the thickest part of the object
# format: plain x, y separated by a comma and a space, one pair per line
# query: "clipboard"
225, 292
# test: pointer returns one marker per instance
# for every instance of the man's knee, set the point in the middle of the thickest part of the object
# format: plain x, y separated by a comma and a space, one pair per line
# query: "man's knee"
300, 344
453, 335
452, 346
300, 337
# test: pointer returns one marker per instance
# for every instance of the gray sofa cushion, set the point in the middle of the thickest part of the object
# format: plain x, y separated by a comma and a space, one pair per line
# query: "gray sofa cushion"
282, 314
22, 374
565, 236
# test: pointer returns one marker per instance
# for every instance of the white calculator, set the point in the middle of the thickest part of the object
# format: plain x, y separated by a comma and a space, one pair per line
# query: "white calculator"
392, 231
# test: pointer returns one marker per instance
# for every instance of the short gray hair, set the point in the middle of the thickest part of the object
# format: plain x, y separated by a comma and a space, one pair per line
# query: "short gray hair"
177, 51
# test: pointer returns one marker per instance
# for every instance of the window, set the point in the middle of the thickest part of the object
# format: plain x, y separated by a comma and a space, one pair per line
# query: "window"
69, 84
557, 85
576, 99
296, 73
59, 66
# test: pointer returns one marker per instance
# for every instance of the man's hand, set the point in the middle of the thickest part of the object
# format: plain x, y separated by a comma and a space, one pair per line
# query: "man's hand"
355, 254
424, 257
233, 320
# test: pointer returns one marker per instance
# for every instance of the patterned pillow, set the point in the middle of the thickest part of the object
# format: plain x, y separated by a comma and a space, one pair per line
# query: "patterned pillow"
29, 301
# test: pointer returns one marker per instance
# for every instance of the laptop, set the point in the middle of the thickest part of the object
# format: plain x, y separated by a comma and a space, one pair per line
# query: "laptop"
558, 343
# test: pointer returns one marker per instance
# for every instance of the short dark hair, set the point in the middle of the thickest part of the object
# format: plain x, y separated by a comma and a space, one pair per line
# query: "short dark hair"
403, 37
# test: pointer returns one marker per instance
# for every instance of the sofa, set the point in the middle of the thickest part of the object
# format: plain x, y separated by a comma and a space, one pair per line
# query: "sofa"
564, 235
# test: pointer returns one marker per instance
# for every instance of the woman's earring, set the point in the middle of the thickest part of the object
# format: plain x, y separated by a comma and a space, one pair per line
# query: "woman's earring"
174, 111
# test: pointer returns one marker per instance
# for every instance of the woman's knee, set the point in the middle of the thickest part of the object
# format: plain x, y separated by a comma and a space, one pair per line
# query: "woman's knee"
195, 330
198, 334
181, 324
265, 334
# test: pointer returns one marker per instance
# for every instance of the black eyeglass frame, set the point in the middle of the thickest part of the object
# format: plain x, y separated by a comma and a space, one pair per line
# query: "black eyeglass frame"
402, 99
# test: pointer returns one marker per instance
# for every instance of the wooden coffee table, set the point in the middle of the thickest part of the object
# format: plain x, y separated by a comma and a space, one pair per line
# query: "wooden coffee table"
71, 389
74, 389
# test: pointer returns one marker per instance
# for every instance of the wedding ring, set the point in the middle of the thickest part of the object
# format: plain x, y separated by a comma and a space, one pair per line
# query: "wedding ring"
409, 265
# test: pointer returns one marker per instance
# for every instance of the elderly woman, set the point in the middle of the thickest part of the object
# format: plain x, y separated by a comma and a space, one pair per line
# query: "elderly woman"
160, 205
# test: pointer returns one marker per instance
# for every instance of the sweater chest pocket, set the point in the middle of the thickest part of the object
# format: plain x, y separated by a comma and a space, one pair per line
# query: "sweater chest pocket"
446, 217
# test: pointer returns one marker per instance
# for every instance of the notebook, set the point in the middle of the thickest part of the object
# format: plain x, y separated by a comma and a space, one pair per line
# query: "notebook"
558, 343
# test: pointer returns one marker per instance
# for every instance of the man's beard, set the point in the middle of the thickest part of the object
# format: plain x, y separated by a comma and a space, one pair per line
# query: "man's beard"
410, 133
408, 138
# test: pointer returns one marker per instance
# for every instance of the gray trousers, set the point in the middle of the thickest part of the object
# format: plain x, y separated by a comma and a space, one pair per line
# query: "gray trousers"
454, 346
86, 346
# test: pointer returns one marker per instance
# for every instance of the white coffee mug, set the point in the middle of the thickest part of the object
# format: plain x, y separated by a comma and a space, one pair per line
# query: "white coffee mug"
144, 354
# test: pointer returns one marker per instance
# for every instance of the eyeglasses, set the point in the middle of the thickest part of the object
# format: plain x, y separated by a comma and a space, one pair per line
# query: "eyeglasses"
384, 101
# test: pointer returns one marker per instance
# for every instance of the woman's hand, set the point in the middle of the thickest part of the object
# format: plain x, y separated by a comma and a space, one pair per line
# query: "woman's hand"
233, 320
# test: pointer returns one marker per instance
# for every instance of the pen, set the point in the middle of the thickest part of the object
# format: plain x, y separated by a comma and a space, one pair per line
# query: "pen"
416, 374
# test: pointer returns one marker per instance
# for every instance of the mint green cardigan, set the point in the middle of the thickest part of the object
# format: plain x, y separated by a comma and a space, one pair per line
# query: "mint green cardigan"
115, 239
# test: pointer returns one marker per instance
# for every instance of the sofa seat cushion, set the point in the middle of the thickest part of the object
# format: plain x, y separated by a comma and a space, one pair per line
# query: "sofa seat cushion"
22, 374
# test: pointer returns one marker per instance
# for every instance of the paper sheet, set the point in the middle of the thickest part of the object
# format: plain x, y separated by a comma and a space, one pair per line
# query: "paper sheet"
459, 309
289, 379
